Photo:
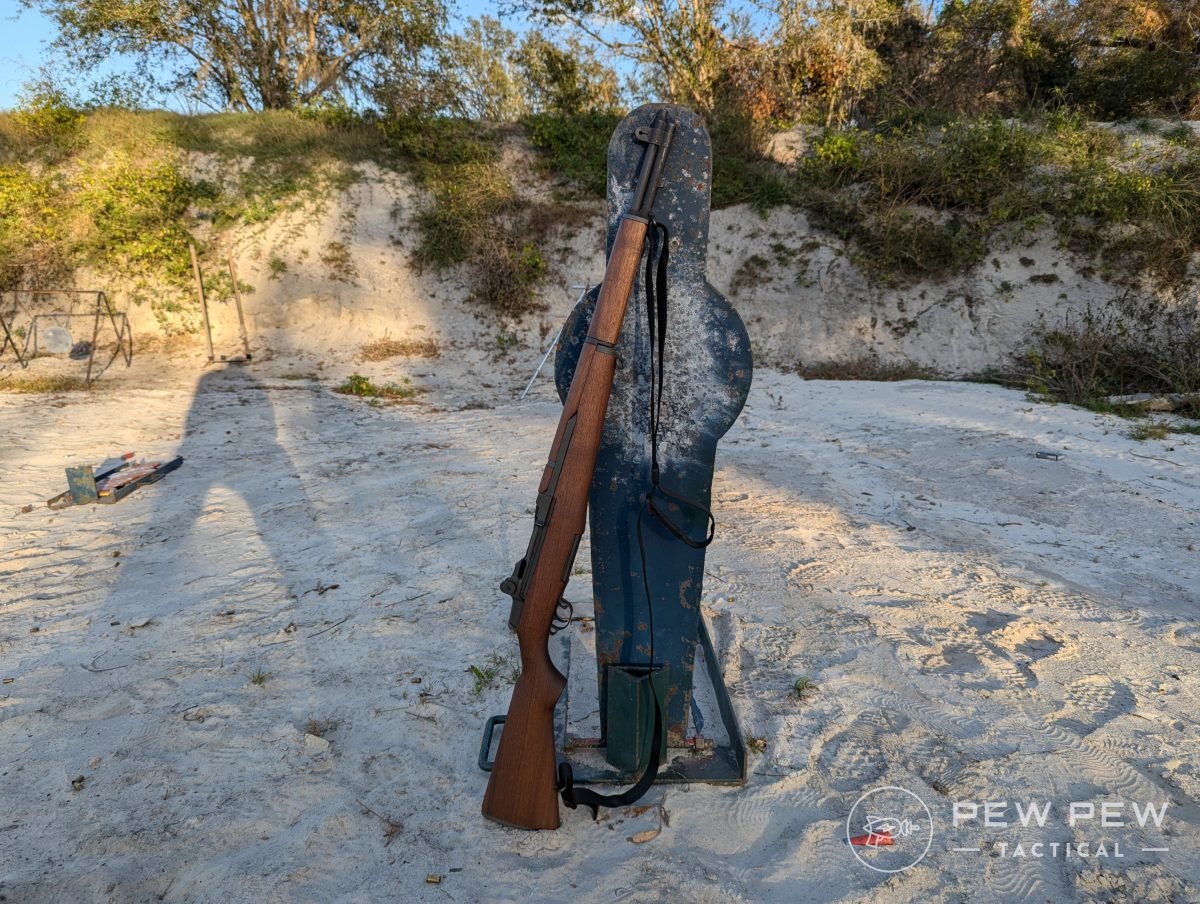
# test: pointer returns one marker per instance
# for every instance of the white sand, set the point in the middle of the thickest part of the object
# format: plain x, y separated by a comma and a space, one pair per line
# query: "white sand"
983, 625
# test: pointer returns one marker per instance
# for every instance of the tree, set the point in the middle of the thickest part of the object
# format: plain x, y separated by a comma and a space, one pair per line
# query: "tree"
832, 51
568, 80
977, 48
491, 74
249, 54
680, 43
1134, 56
481, 70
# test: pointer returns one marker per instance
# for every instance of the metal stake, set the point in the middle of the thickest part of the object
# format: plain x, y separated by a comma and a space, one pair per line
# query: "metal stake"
203, 303
237, 297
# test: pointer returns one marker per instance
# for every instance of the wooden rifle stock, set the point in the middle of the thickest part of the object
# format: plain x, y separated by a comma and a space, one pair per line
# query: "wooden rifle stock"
522, 790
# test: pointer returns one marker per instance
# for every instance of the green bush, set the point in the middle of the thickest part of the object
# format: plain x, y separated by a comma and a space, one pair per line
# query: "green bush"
760, 183
1125, 82
440, 140
576, 151
575, 147
467, 197
35, 246
137, 210
836, 159
474, 216
49, 119
363, 388
1137, 344
900, 247
988, 175
741, 174
983, 157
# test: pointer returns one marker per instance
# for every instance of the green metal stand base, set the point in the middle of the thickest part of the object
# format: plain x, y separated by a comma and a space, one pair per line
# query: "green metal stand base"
713, 752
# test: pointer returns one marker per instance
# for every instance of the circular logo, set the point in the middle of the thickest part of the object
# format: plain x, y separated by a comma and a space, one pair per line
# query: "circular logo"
889, 829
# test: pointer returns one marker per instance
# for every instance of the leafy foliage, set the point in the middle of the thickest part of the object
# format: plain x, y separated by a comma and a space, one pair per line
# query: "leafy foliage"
678, 46
918, 204
363, 388
46, 115
77, 193
575, 147
1134, 345
568, 80
741, 174
475, 214
251, 56
107, 189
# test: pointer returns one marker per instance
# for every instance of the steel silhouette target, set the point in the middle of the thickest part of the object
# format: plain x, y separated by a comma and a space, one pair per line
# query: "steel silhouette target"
707, 374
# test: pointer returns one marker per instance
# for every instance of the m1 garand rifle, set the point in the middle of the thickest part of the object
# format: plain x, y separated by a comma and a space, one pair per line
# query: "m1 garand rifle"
522, 789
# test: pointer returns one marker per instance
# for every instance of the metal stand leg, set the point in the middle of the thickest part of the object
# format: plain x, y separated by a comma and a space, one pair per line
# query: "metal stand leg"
9, 340
203, 302
237, 298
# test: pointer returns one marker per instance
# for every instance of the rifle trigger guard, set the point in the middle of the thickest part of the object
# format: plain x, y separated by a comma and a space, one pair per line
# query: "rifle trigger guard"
564, 614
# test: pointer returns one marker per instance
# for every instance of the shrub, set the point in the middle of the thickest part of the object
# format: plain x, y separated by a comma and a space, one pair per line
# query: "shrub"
49, 119
836, 159
575, 148
137, 209
576, 151
358, 385
35, 246
439, 140
1126, 81
475, 216
741, 174
467, 197
1133, 345
987, 174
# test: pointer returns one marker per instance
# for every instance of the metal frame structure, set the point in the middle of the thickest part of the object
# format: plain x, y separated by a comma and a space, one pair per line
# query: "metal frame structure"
717, 764
9, 340
103, 309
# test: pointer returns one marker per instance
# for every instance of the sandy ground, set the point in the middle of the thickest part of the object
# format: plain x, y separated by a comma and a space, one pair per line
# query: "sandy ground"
250, 682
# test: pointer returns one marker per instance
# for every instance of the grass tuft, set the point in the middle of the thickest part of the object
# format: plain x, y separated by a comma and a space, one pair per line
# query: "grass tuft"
867, 367
363, 388
803, 688
495, 670
1148, 430
385, 348
38, 385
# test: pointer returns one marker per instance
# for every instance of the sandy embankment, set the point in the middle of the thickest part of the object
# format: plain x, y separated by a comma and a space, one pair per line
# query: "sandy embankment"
250, 682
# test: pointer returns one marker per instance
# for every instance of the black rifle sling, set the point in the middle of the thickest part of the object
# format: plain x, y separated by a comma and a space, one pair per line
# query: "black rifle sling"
656, 308
573, 796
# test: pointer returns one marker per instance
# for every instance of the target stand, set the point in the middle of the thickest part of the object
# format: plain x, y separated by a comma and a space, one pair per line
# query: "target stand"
46, 331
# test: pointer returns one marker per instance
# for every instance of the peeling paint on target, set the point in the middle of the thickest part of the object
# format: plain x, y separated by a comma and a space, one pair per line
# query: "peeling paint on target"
708, 369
